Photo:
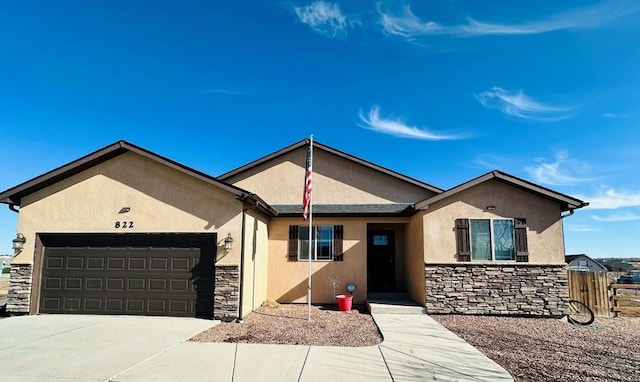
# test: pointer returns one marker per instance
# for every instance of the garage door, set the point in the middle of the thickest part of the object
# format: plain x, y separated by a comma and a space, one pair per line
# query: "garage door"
160, 275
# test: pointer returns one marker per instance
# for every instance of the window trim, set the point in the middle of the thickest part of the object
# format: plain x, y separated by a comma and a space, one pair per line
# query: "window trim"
492, 240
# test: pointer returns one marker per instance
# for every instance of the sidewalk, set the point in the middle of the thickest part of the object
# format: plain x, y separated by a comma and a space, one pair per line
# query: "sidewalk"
415, 348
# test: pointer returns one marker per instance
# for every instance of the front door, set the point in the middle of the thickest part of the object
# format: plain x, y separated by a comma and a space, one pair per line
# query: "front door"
381, 261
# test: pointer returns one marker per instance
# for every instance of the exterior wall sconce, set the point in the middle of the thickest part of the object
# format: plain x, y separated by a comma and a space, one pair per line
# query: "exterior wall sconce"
18, 242
491, 208
228, 243
124, 210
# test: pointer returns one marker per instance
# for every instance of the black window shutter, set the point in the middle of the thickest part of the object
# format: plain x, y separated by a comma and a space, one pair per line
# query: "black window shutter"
293, 243
337, 243
522, 248
463, 244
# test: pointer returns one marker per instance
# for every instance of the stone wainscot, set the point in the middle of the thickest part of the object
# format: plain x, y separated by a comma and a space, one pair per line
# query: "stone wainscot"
482, 289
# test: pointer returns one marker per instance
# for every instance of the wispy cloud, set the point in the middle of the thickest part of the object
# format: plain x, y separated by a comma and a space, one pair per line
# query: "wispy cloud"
324, 18
612, 115
398, 127
622, 217
521, 106
410, 26
581, 228
563, 171
609, 199
226, 91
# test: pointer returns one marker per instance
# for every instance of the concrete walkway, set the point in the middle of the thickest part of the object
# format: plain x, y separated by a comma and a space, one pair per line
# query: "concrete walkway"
126, 349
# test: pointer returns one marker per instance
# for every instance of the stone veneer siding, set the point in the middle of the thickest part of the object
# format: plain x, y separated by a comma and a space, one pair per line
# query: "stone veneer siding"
226, 292
19, 288
481, 289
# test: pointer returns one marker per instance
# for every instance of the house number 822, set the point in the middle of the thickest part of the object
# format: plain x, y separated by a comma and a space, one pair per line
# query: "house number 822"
124, 225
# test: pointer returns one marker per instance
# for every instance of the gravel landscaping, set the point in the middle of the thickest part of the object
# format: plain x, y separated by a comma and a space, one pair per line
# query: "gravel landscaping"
536, 349
288, 324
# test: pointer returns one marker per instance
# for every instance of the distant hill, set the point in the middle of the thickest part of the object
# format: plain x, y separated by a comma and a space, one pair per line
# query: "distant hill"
620, 264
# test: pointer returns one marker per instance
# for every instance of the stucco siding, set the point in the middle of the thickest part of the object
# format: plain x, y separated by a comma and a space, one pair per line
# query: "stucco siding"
288, 279
161, 200
544, 232
336, 181
414, 238
256, 258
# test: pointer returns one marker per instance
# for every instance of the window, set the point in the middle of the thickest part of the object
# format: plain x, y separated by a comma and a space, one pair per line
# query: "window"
380, 240
326, 243
492, 239
321, 242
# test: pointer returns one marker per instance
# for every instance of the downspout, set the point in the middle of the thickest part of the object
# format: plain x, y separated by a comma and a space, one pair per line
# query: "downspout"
13, 208
243, 199
240, 294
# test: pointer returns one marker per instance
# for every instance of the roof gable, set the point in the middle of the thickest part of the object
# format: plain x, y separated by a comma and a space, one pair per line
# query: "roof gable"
319, 146
14, 195
566, 202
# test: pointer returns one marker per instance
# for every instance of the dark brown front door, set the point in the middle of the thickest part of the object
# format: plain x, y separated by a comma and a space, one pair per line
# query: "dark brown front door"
381, 261
156, 277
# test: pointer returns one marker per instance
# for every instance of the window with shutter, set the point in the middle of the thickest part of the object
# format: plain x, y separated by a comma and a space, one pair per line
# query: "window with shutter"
492, 239
326, 243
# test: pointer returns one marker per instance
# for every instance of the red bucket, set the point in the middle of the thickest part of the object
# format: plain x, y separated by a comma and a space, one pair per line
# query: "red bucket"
344, 302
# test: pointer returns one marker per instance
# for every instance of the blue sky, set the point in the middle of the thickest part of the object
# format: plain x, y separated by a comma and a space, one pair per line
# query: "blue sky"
442, 91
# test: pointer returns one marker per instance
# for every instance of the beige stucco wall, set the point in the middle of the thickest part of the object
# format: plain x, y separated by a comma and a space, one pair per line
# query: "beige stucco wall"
256, 259
336, 180
161, 200
414, 269
544, 232
288, 279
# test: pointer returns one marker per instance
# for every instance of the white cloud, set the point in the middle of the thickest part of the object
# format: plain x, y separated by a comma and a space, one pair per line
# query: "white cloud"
622, 217
324, 18
610, 199
560, 172
521, 106
409, 26
397, 127
581, 228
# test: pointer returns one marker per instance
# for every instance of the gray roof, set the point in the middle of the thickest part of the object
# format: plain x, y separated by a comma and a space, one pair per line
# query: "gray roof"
397, 209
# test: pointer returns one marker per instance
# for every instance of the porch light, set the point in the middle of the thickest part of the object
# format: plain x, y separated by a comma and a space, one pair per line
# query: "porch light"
491, 208
18, 242
228, 242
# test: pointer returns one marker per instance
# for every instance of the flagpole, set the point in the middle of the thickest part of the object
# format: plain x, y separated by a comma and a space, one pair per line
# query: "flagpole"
310, 230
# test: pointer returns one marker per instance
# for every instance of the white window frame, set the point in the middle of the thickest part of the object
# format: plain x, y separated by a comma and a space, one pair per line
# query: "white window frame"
492, 239
305, 253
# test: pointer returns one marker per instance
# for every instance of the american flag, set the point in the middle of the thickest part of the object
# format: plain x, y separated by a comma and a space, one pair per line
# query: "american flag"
306, 197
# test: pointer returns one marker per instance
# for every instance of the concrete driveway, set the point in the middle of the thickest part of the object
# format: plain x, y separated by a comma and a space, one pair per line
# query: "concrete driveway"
86, 348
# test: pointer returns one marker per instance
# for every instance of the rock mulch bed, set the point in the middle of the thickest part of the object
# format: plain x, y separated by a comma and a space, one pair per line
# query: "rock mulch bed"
538, 349
288, 324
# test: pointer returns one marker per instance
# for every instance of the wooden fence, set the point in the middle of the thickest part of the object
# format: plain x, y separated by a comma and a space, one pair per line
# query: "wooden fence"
592, 289
626, 298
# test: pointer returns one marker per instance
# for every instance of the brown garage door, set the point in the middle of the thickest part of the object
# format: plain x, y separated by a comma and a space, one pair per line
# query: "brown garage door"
144, 279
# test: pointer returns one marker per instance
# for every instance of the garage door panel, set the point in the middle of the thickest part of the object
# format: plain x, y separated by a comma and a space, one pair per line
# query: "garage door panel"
147, 281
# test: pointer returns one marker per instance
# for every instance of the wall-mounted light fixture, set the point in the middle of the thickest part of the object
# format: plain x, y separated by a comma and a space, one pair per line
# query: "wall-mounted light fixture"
124, 210
491, 208
18, 242
228, 242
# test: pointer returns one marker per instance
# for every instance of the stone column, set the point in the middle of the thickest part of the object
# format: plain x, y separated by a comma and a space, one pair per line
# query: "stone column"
20, 288
226, 292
